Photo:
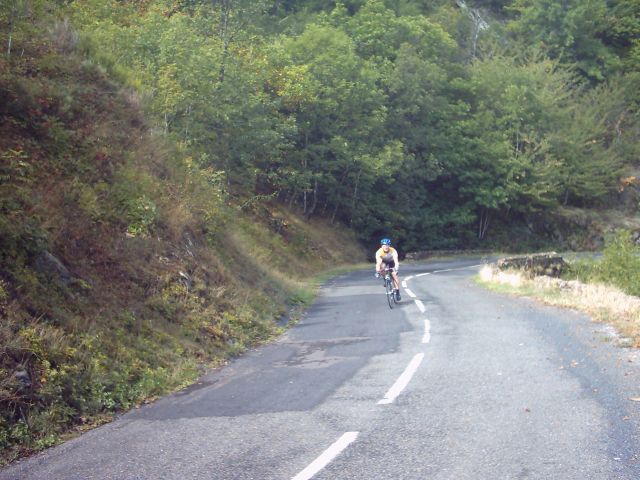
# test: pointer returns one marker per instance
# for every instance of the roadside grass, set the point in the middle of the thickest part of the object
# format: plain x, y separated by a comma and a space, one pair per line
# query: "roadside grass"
290, 258
605, 304
606, 287
152, 274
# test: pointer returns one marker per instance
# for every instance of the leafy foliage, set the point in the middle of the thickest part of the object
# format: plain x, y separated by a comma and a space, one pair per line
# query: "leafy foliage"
570, 31
621, 263
309, 114
618, 266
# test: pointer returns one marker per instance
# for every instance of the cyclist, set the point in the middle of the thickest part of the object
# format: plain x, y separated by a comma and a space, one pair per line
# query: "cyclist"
388, 256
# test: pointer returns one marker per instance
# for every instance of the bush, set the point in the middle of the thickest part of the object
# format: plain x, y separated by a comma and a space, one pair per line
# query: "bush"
619, 265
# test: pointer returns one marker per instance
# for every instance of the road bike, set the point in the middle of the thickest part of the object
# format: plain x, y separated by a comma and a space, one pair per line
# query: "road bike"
388, 287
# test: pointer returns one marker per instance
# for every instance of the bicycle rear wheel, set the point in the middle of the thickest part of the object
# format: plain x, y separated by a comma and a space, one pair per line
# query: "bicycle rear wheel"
388, 285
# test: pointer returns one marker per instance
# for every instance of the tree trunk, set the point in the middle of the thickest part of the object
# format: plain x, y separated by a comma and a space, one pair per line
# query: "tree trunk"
304, 203
315, 200
483, 223
186, 123
224, 35
324, 207
333, 216
355, 196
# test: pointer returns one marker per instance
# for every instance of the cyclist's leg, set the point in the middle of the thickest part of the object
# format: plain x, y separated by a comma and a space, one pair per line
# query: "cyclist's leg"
396, 279
396, 282
394, 275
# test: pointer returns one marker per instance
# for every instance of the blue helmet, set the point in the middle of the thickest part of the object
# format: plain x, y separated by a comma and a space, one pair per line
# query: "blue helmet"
385, 241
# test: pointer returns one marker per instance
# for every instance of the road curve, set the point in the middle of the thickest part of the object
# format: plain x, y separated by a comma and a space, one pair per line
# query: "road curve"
454, 383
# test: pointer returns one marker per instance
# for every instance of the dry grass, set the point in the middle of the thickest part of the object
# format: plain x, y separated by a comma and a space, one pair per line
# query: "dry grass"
279, 252
603, 303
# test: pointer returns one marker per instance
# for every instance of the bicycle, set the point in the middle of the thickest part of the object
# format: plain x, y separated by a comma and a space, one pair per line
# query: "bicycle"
388, 286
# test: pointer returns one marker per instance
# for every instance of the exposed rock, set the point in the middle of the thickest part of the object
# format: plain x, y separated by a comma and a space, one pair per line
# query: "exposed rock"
550, 264
189, 244
22, 376
50, 265
186, 280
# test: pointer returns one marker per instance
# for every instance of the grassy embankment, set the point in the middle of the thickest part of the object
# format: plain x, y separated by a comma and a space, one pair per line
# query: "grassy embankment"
607, 288
125, 268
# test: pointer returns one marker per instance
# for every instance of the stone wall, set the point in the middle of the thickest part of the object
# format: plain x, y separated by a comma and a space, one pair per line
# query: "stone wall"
550, 264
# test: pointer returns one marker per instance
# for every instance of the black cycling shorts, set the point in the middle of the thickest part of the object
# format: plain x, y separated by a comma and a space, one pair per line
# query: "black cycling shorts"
390, 264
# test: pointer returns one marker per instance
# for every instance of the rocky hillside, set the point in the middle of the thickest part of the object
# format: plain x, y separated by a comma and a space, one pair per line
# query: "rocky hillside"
124, 269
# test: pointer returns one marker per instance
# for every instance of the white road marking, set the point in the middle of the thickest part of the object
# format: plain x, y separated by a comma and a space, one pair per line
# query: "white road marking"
420, 306
409, 278
402, 381
404, 284
427, 332
410, 293
447, 270
454, 269
329, 454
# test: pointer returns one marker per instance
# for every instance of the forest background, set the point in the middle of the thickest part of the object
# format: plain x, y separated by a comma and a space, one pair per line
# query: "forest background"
172, 170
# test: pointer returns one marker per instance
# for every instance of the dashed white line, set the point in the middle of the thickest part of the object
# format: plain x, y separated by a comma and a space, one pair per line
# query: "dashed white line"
427, 332
396, 389
454, 269
329, 454
447, 270
402, 381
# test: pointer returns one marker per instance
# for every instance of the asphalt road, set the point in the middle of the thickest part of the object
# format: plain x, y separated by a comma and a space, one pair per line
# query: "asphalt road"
454, 383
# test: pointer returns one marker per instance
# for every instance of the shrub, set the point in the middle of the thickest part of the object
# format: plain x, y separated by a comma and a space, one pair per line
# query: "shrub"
620, 264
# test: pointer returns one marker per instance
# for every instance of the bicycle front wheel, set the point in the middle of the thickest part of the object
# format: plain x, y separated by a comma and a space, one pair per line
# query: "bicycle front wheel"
390, 295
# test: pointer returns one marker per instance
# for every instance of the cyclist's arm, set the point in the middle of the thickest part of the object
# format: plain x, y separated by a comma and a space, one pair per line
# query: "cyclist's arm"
396, 259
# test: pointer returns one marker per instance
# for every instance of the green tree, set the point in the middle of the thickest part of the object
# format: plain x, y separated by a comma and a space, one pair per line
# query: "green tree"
590, 145
377, 32
508, 165
623, 32
570, 31
339, 123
